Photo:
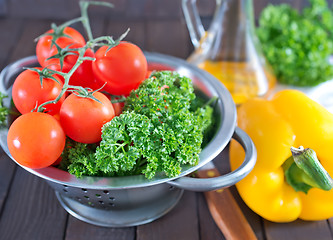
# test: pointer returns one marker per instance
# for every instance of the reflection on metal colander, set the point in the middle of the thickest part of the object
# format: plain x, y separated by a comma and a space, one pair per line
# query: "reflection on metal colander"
114, 199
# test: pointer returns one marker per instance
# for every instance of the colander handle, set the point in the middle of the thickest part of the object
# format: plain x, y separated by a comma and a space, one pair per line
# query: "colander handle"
209, 184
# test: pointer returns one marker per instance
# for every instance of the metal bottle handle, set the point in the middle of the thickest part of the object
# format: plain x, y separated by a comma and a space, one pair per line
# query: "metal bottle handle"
209, 184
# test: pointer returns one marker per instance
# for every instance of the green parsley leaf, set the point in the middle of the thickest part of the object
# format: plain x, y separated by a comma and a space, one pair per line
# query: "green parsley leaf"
3, 110
159, 131
298, 45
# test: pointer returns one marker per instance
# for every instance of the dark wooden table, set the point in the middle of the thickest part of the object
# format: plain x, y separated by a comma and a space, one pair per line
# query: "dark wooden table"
28, 206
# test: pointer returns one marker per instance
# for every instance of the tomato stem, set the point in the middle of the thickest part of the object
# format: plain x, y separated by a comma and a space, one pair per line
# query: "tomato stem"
85, 19
66, 76
119, 100
70, 22
84, 15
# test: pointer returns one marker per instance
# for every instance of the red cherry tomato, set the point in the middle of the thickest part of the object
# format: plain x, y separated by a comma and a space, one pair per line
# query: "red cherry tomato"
122, 68
44, 49
118, 108
83, 76
148, 74
57, 162
82, 118
36, 140
28, 92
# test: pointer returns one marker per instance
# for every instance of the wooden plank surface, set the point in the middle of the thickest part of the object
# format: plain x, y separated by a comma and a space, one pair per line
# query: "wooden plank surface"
3, 7
25, 46
154, 9
171, 9
98, 27
135, 35
78, 230
168, 37
31, 210
180, 223
306, 230
10, 32
7, 169
46, 9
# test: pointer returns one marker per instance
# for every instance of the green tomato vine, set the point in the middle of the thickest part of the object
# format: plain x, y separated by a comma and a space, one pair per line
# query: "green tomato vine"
58, 31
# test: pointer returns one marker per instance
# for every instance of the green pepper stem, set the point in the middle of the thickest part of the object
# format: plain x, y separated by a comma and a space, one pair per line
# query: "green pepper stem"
304, 171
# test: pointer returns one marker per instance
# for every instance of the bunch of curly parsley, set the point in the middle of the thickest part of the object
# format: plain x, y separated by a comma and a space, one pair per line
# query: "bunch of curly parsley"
159, 131
4, 111
298, 45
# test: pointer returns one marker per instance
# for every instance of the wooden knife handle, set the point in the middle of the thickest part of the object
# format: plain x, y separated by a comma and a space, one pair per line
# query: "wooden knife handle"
226, 212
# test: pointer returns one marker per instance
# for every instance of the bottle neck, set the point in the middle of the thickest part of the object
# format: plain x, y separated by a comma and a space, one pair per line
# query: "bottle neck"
234, 28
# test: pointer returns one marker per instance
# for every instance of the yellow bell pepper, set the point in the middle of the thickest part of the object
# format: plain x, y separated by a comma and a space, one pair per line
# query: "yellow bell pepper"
282, 188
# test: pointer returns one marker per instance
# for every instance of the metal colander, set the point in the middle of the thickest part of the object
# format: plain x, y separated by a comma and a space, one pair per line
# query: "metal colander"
134, 200
118, 208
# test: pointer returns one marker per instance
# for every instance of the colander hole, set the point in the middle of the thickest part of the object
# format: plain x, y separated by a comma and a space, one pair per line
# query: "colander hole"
65, 186
91, 204
101, 202
84, 190
86, 197
111, 198
171, 187
106, 192
65, 190
77, 198
98, 195
111, 204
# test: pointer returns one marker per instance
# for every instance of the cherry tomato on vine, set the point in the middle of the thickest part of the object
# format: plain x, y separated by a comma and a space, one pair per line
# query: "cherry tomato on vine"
122, 68
82, 118
57, 162
118, 108
36, 140
45, 49
149, 72
28, 92
83, 76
